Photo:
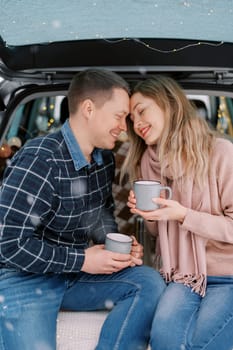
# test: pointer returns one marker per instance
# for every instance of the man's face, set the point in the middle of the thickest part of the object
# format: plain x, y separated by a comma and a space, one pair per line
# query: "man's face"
109, 120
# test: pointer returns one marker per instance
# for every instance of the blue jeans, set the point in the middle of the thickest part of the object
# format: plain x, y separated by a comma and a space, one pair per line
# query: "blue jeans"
186, 321
29, 304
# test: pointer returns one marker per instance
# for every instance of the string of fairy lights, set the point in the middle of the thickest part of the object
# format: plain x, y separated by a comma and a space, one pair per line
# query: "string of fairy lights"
173, 50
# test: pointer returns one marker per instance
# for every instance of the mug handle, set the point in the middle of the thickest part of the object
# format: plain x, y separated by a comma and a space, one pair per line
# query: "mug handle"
168, 189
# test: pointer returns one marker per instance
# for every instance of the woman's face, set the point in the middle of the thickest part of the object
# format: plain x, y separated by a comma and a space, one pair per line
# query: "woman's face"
147, 117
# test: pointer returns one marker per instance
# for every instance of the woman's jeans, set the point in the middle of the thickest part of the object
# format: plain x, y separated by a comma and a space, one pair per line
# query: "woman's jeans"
186, 321
29, 305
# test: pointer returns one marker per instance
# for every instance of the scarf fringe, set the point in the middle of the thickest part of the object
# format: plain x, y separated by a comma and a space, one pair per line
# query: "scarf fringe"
157, 262
197, 282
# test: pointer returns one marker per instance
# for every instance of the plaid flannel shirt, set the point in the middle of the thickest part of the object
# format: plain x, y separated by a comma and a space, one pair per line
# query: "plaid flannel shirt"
53, 202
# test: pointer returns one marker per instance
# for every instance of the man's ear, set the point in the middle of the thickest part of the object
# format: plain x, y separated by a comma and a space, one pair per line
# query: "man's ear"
87, 108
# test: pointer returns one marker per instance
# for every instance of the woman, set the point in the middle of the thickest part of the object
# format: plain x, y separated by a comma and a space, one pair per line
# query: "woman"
172, 144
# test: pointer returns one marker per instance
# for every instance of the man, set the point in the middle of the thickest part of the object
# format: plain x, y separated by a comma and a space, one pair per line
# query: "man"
56, 207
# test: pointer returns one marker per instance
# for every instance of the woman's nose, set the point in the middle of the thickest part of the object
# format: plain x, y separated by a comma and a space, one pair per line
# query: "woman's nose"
137, 123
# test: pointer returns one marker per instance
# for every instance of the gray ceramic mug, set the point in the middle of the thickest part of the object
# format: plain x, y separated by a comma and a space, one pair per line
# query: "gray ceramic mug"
118, 242
145, 190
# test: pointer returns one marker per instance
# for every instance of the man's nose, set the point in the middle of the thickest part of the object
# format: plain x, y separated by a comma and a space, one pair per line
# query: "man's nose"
123, 125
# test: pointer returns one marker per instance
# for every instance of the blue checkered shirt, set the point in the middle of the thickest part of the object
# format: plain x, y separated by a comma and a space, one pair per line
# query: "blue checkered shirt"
53, 203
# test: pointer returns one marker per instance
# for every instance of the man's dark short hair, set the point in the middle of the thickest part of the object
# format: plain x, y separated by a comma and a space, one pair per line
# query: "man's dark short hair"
94, 84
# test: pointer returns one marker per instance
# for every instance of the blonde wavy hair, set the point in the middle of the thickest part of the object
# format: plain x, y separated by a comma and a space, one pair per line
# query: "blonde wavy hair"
186, 141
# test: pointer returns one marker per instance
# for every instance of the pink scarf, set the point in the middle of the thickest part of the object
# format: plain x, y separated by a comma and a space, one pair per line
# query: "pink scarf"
183, 253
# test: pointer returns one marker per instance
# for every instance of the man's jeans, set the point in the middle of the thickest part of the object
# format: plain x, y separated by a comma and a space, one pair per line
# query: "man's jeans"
186, 321
29, 305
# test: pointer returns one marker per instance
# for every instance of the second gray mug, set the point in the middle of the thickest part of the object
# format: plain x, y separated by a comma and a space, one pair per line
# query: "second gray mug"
118, 242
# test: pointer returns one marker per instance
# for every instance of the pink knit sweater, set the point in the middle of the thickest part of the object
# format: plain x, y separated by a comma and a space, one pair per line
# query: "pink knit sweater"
203, 244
